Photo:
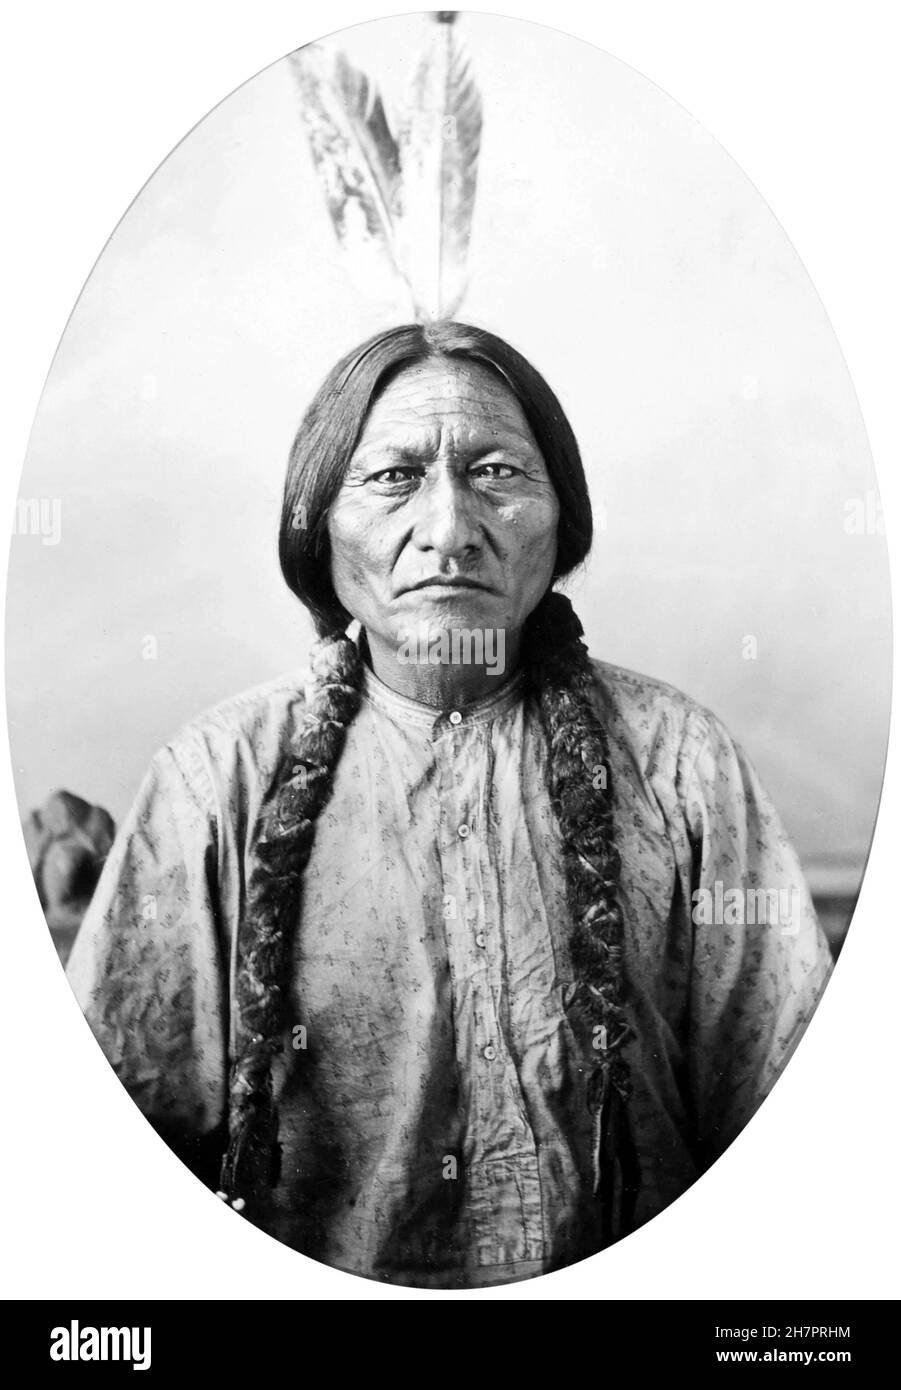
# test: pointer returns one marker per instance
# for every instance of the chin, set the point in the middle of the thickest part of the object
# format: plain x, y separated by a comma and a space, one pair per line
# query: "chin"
457, 612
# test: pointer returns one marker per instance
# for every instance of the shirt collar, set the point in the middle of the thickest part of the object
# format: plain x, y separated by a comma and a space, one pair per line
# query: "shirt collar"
403, 710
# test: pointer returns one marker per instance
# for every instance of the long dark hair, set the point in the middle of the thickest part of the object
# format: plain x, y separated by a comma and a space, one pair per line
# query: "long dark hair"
559, 681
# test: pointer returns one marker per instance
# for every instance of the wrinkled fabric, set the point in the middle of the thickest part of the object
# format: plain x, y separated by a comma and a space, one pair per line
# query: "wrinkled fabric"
431, 1088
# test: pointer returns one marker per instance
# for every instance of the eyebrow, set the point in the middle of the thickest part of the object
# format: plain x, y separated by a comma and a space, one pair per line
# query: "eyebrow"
423, 450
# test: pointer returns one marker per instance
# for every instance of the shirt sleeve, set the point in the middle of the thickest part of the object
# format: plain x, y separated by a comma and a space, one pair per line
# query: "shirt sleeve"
760, 960
147, 966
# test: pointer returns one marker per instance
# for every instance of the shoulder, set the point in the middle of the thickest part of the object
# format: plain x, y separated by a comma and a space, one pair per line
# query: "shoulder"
256, 713
663, 726
239, 740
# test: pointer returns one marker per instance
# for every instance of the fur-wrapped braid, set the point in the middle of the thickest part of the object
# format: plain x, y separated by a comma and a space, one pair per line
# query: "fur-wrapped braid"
558, 681
303, 784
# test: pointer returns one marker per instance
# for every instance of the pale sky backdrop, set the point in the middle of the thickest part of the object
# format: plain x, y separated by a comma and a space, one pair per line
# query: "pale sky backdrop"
619, 247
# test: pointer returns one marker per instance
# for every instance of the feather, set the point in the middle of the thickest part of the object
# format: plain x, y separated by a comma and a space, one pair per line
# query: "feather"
439, 149
401, 207
356, 159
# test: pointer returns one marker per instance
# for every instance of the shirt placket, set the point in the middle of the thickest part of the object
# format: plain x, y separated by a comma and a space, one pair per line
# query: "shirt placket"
499, 1156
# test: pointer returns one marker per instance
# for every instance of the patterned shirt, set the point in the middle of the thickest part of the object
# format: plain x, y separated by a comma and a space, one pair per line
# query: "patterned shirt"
431, 1088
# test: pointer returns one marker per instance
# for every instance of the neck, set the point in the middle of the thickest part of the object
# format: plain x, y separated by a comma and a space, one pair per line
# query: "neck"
440, 673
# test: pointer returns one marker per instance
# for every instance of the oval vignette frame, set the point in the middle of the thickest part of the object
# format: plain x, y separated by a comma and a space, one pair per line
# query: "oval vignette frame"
63, 388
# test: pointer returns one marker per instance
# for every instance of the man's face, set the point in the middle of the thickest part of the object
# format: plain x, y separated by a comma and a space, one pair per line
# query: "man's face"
447, 517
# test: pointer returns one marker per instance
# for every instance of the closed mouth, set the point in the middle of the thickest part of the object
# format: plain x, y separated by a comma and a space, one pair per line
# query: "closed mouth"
444, 582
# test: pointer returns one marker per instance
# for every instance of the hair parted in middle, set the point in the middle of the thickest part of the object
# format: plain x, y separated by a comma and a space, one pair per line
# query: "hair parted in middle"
560, 684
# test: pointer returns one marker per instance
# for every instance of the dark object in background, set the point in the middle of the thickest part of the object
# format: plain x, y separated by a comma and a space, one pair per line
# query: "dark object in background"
67, 840
834, 884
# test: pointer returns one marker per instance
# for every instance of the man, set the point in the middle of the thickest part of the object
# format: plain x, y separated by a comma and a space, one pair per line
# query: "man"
472, 955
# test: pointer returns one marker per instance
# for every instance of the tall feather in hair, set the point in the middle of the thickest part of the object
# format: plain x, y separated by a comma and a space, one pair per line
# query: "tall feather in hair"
401, 205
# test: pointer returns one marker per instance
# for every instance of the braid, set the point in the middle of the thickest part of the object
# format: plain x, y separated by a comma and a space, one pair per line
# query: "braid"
559, 680
303, 784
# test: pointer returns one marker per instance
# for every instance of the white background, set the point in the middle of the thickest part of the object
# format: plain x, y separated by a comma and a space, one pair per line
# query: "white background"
805, 1204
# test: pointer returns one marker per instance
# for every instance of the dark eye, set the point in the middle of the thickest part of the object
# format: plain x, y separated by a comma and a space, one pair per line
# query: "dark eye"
396, 475
494, 470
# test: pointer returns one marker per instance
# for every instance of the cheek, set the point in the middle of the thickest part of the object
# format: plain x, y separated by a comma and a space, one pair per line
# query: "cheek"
357, 544
530, 530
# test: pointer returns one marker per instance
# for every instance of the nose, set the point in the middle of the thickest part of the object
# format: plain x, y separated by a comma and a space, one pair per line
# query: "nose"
447, 521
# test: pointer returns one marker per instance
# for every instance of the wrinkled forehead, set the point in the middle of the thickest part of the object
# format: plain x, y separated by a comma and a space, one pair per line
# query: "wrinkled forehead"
447, 404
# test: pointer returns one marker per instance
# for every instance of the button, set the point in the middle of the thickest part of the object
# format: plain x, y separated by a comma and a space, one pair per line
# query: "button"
455, 717
463, 831
480, 939
489, 1053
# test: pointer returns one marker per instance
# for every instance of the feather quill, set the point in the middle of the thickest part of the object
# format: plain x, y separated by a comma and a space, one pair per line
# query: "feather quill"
401, 206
